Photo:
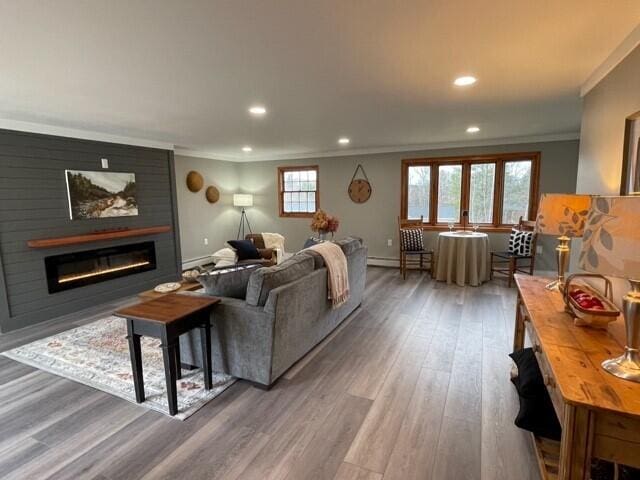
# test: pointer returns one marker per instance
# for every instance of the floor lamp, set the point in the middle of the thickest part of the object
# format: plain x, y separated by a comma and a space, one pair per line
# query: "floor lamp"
243, 200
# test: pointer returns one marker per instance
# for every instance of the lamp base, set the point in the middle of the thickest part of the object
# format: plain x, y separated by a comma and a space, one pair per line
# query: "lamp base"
626, 366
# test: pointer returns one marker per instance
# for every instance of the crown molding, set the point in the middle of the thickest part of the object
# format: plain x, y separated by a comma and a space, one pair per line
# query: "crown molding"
45, 129
389, 149
621, 51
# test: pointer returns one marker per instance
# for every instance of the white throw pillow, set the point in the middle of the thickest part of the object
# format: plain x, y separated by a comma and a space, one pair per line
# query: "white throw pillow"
225, 254
224, 263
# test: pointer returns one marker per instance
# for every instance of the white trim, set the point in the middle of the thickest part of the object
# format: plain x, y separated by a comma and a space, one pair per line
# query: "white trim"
196, 262
383, 262
81, 134
628, 44
554, 137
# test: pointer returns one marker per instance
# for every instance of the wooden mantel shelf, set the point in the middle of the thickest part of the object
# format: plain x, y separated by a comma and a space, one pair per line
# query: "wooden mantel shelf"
96, 236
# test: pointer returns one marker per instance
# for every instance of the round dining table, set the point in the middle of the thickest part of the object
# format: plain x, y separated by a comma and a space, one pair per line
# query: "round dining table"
463, 258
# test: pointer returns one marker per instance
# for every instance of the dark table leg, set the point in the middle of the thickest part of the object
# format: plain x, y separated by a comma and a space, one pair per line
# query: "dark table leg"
136, 361
205, 340
169, 356
178, 362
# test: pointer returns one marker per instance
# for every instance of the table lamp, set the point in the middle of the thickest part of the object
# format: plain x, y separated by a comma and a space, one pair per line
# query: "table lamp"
611, 246
564, 215
243, 200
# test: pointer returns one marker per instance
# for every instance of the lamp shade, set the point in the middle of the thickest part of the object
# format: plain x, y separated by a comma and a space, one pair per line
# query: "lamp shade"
562, 214
611, 243
242, 200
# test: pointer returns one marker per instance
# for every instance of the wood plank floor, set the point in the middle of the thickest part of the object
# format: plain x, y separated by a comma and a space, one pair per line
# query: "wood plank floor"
413, 386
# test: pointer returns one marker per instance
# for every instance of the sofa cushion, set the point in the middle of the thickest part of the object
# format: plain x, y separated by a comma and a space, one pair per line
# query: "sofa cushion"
349, 244
263, 280
227, 282
245, 249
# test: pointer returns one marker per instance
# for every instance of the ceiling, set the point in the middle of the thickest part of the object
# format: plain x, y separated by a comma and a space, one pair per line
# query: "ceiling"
379, 72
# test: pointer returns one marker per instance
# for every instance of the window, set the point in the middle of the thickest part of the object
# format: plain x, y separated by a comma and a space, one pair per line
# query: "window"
418, 192
298, 194
515, 201
481, 192
449, 189
496, 190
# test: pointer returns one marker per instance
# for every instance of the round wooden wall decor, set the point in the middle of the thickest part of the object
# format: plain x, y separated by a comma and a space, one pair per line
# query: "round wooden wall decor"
212, 194
194, 181
359, 189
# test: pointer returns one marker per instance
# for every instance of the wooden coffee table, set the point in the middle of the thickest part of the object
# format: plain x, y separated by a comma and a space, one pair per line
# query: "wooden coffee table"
166, 318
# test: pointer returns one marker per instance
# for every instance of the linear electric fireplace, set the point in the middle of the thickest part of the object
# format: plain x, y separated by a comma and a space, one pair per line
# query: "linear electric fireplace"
72, 270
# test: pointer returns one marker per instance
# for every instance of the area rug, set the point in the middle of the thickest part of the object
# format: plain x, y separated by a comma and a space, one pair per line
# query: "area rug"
97, 355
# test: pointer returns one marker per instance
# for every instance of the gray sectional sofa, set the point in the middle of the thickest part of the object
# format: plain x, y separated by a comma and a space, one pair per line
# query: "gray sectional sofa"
284, 315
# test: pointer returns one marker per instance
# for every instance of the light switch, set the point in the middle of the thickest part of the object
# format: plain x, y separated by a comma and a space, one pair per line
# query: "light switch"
105, 162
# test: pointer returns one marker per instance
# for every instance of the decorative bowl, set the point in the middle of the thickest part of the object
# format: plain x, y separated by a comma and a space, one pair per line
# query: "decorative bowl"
589, 307
191, 275
167, 287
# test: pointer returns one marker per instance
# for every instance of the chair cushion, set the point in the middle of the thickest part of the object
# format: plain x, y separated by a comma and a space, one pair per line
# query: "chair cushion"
227, 281
245, 249
520, 242
227, 254
263, 280
411, 239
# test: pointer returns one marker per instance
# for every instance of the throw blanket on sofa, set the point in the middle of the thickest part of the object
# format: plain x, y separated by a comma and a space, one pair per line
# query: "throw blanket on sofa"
273, 240
337, 273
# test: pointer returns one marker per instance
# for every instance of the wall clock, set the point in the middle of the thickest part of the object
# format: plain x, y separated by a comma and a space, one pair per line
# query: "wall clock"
359, 188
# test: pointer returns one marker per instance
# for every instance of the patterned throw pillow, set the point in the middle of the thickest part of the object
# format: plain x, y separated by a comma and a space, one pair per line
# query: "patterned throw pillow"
520, 242
411, 239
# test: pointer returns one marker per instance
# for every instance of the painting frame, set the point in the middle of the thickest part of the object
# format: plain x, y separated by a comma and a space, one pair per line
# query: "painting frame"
96, 194
630, 180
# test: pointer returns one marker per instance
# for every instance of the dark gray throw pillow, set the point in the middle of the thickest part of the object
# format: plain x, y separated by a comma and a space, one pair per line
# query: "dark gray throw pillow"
228, 282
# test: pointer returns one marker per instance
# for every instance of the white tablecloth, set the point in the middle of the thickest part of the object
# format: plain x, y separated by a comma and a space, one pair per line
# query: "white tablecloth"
463, 258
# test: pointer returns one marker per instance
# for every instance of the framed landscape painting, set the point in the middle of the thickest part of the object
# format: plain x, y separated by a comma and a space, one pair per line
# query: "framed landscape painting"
630, 183
101, 194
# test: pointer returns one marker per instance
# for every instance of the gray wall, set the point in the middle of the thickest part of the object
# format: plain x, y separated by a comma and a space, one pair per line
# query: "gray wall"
200, 219
605, 109
33, 204
375, 220
604, 112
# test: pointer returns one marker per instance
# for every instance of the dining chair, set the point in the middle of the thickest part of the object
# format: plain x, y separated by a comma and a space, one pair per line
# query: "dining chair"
520, 256
412, 250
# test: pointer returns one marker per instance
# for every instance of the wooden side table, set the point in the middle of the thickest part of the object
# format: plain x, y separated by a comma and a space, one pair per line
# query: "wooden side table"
599, 413
166, 318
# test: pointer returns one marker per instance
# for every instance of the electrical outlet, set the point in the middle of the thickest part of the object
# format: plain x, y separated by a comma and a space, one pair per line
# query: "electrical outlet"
104, 162
206, 241
539, 249
389, 242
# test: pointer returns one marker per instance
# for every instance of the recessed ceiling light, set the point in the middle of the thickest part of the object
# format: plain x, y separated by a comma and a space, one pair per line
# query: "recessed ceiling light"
465, 81
473, 129
257, 110
247, 149
343, 141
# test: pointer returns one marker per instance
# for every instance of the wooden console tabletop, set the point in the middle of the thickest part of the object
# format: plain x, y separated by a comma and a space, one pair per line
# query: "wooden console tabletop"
599, 413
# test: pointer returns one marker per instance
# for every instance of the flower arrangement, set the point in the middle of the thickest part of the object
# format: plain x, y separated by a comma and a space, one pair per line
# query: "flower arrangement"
323, 223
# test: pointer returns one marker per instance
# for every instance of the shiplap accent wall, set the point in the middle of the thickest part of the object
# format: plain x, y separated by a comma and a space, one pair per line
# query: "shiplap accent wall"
33, 204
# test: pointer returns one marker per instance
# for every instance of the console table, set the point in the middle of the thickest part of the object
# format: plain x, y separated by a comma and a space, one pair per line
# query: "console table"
599, 413
166, 318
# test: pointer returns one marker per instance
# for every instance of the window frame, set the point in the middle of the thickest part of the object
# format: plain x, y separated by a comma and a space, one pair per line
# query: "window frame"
466, 161
281, 191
